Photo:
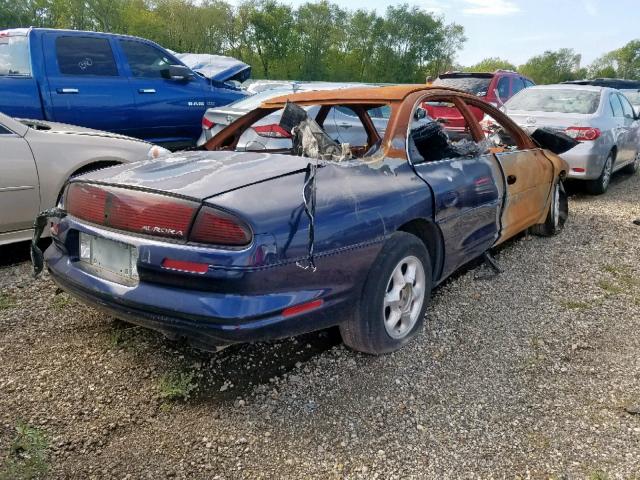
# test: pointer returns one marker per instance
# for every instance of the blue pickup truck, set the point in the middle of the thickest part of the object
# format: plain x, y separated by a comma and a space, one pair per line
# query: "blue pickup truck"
108, 82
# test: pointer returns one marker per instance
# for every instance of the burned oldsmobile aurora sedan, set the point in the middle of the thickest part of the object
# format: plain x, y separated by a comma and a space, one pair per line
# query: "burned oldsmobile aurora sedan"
221, 246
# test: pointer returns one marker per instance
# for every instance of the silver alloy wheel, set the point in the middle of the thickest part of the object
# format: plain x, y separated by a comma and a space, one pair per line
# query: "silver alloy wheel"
556, 205
404, 297
606, 173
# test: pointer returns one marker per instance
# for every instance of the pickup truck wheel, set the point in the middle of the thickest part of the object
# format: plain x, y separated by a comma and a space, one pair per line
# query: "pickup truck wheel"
394, 298
558, 213
600, 184
633, 166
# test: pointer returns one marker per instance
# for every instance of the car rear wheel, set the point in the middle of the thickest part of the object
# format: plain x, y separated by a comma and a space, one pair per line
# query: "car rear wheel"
394, 298
558, 213
600, 184
633, 166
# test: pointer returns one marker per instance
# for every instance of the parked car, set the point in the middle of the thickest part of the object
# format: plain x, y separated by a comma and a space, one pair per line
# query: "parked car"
601, 118
221, 247
117, 83
630, 88
38, 157
494, 88
344, 127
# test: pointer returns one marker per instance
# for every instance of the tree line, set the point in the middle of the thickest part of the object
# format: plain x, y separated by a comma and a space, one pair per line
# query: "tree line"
314, 41
554, 66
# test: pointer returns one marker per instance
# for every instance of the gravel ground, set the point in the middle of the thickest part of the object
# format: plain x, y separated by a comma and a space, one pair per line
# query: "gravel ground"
533, 374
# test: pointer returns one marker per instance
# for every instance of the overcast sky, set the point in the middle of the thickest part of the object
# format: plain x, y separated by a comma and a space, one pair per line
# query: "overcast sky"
518, 29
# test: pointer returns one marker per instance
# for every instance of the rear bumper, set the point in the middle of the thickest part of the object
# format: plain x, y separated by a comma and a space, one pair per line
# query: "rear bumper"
586, 160
203, 318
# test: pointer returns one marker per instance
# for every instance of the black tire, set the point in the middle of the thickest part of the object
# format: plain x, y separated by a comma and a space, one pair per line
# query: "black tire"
368, 330
558, 213
632, 168
600, 184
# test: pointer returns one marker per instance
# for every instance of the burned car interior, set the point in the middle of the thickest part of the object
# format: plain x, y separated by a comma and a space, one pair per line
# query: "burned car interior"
308, 130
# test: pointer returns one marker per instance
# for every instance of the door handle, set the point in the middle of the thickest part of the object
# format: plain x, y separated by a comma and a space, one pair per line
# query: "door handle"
68, 90
146, 90
511, 179
345, 125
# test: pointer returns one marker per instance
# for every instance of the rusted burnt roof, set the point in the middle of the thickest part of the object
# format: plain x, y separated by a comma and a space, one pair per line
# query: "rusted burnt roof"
359, 94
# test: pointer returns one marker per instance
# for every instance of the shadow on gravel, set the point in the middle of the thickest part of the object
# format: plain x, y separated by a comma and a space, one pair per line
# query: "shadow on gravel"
15, 253
219, 376
576, 188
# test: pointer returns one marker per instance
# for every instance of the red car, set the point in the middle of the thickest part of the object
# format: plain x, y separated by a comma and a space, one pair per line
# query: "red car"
495, 88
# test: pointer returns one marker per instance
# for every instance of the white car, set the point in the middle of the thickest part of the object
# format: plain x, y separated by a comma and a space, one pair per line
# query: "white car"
38, 157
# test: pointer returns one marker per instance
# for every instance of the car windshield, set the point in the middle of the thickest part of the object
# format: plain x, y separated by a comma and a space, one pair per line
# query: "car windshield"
476, 85
560, 100
14, 56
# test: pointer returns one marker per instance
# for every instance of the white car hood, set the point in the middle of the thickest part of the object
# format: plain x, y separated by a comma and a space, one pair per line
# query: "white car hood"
63, 128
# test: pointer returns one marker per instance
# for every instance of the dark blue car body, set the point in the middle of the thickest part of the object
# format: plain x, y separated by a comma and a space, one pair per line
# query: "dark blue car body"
90, 79
456, 206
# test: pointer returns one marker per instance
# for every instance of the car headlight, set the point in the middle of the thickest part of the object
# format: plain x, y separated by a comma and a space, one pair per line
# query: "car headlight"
156, 152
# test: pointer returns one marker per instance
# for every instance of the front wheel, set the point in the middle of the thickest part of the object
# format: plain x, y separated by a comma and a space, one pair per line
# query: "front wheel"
558, 213
394, 298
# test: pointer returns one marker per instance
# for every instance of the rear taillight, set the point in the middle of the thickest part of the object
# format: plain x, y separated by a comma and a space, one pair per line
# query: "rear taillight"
219, 228
155, 214
583, 133
207, 124
272, 131
131, 210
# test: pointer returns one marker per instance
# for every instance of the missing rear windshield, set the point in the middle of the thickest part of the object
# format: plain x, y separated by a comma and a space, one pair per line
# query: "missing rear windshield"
14, 56
476, 86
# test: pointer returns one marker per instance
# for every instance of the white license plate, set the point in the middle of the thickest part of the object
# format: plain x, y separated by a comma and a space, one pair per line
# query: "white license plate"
115, 257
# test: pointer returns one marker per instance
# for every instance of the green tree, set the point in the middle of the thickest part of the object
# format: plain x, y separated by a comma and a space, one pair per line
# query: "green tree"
620, 63
553, 66
491, 64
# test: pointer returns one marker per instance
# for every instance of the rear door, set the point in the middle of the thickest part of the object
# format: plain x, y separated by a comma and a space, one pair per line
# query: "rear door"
630, 125
167, 110
468, 191
19, 95
86, 85
621, 129
19, 191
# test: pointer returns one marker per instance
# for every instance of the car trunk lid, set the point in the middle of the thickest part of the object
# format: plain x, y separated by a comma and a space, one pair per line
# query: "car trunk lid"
530, 120
200, 175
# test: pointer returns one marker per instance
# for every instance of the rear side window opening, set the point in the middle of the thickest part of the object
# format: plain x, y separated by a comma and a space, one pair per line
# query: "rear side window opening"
15, 59
557, 100
439, 131
85, 56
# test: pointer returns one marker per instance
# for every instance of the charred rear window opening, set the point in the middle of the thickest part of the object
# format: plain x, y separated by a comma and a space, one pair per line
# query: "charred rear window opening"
349, 127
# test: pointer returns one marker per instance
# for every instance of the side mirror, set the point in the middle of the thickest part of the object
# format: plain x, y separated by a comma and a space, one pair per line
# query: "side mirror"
420, 113
177, 72
235, 84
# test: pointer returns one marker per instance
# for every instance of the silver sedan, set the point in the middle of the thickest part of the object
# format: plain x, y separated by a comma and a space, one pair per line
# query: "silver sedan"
601, 118
37, 159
